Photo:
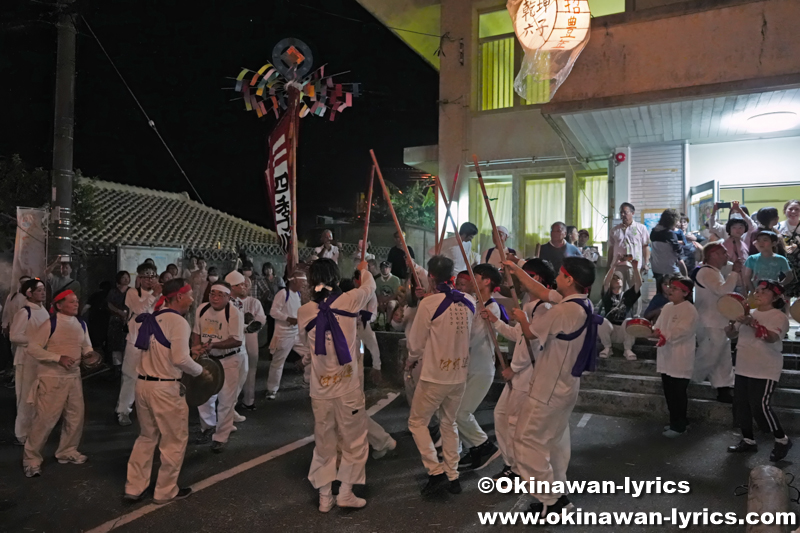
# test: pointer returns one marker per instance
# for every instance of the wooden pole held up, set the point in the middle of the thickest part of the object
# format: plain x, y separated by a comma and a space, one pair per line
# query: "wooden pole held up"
369, 211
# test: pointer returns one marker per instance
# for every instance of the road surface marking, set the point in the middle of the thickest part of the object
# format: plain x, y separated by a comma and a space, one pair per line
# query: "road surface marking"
584, 420
222, 476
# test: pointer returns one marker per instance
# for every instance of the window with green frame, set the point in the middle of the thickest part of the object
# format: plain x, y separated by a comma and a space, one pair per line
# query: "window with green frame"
499, 189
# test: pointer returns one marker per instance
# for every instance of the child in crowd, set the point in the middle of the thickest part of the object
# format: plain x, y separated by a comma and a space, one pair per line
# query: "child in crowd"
658, 301
765, 264
676, 331
759, 363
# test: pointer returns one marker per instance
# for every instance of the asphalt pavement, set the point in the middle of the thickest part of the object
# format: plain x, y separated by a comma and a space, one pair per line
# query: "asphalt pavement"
259, 482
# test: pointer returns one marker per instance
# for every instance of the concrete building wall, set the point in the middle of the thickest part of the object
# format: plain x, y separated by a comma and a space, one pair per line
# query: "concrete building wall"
637, 53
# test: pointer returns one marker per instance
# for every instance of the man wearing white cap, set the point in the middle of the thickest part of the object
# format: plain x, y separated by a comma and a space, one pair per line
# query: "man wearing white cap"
286, 338
254, 319
219, 327
492, 256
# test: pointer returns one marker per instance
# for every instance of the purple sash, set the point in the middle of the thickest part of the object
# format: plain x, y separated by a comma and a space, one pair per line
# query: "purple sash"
326, 321
503, 312
587, 359
365, 317
451, 296
150, 328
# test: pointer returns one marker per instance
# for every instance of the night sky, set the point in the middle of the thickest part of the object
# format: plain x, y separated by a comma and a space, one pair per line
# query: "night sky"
177, 56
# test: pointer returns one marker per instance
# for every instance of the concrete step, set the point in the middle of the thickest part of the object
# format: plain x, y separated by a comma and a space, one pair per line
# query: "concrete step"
653, 406
783, 397
790, 379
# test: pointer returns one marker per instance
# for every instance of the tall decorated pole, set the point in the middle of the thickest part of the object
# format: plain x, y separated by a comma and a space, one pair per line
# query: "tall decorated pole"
59, 241
368, 214
288, 89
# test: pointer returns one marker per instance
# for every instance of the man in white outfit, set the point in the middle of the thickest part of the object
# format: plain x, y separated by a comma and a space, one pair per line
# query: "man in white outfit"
568, 336
480, 374
451, 249
160, 405
254, 320
24, 325
286, 337
328, 326
439, 341
59, 345
14, 301
713, 357
138, 301
219, 328
518, 374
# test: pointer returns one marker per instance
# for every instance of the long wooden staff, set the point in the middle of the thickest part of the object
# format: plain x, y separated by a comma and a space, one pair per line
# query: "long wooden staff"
478, 297
369, 210
447, 205
498, 243
394, 216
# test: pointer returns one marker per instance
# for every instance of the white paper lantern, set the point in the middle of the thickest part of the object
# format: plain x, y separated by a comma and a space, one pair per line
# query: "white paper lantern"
552, 24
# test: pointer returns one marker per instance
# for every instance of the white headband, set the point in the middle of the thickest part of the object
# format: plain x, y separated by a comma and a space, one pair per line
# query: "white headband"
221, 288
321, 286
299, 275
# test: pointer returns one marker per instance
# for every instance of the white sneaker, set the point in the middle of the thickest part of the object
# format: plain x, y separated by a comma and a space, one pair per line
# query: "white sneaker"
350, 500
124, 419
76, 459
605, 353
233, 429
325, 502
33, 471
237, 417
272, 395
629, 355
377, 454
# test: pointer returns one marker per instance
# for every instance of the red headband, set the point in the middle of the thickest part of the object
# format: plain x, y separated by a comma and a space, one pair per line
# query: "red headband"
463, 275
60, 296
164, 297
681, 285
564, 271
774, 287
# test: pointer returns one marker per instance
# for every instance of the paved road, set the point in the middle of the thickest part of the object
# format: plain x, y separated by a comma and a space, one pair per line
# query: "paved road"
274, 495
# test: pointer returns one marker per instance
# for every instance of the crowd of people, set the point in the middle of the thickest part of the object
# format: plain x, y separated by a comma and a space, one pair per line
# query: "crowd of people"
450, 312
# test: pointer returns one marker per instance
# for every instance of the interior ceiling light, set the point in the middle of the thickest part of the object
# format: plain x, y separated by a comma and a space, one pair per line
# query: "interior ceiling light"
768, 122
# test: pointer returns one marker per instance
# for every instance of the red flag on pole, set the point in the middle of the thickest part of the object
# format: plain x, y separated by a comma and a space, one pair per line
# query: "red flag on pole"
278, 177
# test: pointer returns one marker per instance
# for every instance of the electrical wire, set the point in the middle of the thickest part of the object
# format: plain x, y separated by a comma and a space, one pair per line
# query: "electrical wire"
149, 120
583, 191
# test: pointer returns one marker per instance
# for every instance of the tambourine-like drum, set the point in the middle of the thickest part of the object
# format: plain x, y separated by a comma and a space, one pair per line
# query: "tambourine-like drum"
91, 360
732, 306
794, 310
639, 327
198, 389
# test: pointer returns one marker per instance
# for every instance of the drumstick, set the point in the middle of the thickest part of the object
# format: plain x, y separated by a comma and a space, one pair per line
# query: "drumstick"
438, 248
478, 298
394, 217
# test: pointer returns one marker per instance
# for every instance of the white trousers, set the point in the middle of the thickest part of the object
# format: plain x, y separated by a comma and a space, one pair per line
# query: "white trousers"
164, 422
25, 375
249, 382
130, 375
367, 336
506, 417
428, 399
218, 410
475, 391
713, 358
377, 437
612, 334
55, 397
339, 423
543, 444
280, 348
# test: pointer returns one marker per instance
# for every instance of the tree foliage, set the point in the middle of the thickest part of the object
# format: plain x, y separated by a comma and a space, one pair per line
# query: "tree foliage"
415, 205
21, 186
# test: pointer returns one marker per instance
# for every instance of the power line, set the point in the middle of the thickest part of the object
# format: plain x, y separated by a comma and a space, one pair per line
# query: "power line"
149, 120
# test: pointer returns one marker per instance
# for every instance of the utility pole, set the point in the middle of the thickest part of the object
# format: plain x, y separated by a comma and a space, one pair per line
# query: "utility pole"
59, 239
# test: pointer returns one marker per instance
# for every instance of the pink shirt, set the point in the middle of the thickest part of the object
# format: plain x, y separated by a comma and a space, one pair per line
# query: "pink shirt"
629, 240
742, 251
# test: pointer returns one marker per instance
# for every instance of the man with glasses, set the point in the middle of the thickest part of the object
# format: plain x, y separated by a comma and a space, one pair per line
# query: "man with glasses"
629, 240
138, 301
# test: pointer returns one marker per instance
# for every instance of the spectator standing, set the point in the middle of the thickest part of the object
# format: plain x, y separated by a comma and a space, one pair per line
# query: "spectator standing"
118, 319
572, 235
451, 249
629, 239
666, 256
765, 264
558, 248
397, 257
328, 250
269, 284
588, 251
492, 256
